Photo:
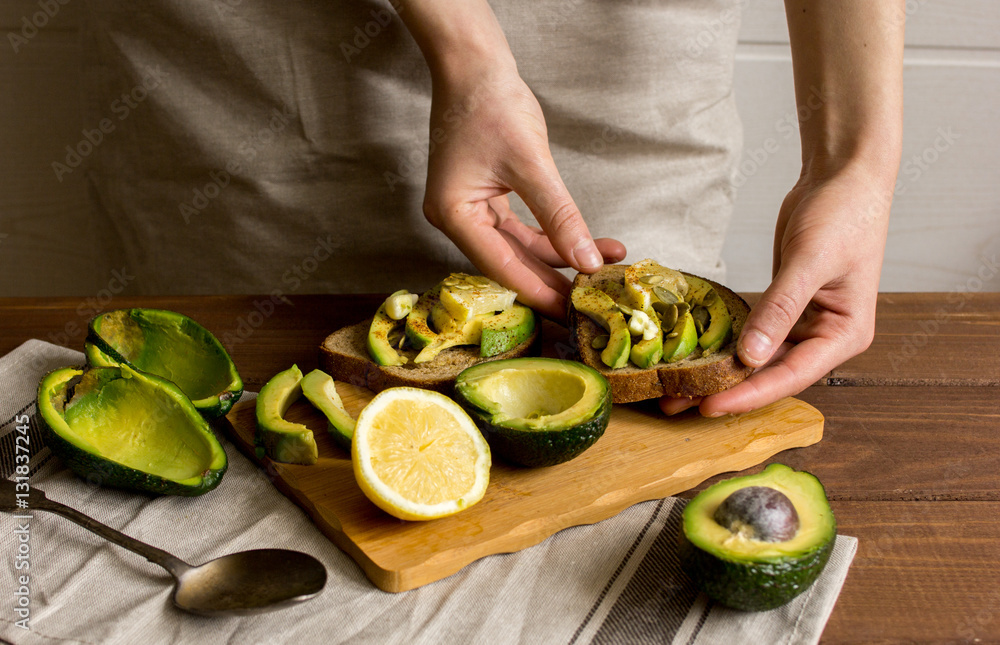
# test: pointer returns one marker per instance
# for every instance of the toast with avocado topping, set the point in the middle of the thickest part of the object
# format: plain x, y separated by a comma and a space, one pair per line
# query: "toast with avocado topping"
653, 331
425, 341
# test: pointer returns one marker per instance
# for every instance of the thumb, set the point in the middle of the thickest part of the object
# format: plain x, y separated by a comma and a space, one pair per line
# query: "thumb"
545, 194
774, 315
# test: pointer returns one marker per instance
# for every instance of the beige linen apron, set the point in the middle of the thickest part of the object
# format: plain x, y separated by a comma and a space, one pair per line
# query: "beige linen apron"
280, 146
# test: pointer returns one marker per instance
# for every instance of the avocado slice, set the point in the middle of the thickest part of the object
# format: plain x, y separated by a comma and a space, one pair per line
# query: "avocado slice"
506, 330
172, 346
643, 278
121, 427
418, 331
599, 306
379, 346
281, 440
754, 567
647, 352
319, 388
680, 346
720, 328
536, 411
453, 334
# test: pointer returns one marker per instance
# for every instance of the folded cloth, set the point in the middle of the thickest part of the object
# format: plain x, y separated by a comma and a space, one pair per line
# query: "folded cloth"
617, 581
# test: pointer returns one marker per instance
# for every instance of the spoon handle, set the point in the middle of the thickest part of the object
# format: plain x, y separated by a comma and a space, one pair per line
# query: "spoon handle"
174, 565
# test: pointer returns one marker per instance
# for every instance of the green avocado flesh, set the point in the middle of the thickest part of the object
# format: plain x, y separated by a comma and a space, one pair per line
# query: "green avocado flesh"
431, 328
600, 308
319, 388
680, 346
281, 440
536, 411
506, 330
754, 575
124, 428
169, 345
379, 346
720, 328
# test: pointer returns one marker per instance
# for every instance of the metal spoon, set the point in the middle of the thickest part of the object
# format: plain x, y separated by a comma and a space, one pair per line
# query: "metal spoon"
248, 582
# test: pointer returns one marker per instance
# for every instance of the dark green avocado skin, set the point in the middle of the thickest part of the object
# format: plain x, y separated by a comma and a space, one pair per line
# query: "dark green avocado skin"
753, 586
226, 400
102, 472
536, 448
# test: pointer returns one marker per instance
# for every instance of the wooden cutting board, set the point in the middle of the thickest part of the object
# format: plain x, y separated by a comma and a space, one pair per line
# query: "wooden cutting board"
643, 455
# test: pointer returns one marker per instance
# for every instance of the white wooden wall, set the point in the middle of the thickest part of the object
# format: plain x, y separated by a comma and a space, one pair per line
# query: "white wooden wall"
945, 227
945, 230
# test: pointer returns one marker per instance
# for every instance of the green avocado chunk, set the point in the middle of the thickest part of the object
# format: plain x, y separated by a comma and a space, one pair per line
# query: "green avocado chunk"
506, 330
599, 306
319, 388
172, 346
647, 352
720, 328
120, 427
379, 346
680, 346
281, 440
742, 569
536, 411
418, 330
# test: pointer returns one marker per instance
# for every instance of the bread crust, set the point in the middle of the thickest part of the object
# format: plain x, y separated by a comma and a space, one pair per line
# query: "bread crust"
344, 356
691, 377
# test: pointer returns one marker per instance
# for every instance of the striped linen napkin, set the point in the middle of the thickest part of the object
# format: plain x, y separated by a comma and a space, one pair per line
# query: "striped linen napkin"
617, 581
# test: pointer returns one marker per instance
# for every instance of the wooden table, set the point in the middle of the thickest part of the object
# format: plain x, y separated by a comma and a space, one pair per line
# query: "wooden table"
910, 457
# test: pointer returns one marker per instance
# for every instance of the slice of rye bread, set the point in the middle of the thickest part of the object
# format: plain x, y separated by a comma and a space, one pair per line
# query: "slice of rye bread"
344, 356
696, 375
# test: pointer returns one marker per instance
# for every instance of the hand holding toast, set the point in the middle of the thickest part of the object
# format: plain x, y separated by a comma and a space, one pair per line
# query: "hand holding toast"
819, 310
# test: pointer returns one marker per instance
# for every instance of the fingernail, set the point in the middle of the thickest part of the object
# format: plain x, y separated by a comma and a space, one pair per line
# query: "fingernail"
587, 256
756, 346
717, 414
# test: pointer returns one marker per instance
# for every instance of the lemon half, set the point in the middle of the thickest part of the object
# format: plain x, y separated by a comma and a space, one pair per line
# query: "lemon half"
418, 456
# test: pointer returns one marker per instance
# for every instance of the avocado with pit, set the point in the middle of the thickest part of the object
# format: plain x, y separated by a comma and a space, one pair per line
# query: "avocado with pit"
279, 439
756, 542
319, 388
536, 411
169, 345
600, 308
120, 427
680, 346
383, 327
719, 330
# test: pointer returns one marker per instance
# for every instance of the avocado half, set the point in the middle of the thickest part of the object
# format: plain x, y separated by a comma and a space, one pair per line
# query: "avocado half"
120, 427
752, 574
172, 346
536, 411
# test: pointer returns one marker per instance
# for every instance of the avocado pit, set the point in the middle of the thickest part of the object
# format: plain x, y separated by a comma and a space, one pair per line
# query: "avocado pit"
759, 513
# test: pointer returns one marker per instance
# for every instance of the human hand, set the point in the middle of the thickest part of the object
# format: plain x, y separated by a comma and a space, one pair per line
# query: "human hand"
489, 138
819, 310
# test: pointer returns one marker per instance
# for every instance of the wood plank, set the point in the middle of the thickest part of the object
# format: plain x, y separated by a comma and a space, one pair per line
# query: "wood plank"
903, 443
930, 339
925, 572
641, 456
